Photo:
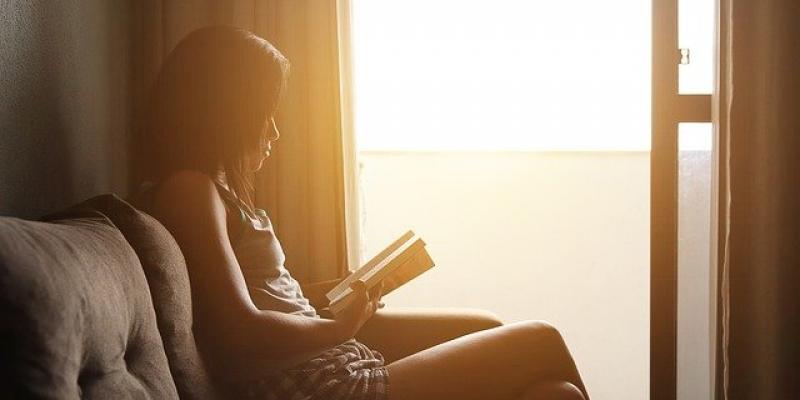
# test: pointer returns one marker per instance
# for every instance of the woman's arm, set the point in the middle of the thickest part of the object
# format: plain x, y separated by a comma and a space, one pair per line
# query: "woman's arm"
190, 207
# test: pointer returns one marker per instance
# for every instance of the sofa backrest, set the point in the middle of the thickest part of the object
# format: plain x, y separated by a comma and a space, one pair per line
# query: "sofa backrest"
76, 317
165, 269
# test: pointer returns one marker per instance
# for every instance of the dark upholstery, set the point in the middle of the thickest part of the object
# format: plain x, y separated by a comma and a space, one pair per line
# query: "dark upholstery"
76, 318
166, 273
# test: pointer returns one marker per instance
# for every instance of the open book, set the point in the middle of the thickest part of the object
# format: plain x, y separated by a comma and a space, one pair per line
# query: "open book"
400, 262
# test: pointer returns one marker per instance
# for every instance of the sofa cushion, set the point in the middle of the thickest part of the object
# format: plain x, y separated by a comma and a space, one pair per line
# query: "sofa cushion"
76, 318
166, 273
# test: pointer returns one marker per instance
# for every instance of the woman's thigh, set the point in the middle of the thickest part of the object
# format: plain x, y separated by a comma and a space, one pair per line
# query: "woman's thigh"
395, 331
499, 363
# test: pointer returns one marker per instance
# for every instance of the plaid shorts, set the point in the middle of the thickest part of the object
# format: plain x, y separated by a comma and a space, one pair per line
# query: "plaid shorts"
349, 371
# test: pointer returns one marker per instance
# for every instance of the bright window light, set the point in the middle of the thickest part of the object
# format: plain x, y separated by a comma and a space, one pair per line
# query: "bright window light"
502, 75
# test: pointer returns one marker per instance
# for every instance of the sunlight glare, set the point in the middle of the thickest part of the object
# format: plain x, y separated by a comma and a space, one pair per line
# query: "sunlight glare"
502, 75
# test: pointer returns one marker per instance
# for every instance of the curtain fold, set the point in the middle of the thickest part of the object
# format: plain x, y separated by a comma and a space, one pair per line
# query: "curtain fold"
759, 117
302, 184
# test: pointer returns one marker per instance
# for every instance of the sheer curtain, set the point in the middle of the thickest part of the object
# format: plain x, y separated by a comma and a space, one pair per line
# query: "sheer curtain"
302, 185
759, 121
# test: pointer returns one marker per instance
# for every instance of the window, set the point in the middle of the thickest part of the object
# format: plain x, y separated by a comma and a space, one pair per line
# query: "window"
515, 138
507, 75
682, 177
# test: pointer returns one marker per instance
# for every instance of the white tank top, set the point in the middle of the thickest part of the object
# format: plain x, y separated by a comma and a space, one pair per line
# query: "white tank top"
261, 259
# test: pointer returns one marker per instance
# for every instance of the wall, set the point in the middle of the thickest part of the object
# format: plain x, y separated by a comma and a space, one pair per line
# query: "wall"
556, 236
63, 102
695, 276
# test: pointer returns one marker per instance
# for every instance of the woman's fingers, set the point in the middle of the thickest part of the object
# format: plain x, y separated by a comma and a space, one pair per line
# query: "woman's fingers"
358, 286
369, 298
359, 289
376, 292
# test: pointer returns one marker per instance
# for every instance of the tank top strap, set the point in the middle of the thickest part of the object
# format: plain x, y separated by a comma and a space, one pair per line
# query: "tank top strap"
234, 207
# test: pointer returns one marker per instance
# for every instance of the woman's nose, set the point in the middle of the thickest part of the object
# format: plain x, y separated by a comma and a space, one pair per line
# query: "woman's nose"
274, 134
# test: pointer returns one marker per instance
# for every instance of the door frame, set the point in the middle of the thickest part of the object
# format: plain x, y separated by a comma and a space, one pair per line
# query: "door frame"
669, 108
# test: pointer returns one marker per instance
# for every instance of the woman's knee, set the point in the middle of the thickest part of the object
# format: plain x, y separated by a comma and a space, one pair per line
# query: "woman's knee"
560, 390
539, 332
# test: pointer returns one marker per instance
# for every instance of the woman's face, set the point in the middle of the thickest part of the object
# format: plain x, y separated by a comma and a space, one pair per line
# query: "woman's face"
270, 134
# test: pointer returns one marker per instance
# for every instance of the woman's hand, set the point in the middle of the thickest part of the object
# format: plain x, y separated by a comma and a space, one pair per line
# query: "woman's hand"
316, 292
360, 310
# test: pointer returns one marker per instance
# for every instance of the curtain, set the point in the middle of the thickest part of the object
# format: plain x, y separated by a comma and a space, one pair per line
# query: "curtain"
759, 126
302, 185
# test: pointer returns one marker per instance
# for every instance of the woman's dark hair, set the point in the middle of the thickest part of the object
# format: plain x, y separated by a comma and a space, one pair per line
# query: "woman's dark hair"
216, 91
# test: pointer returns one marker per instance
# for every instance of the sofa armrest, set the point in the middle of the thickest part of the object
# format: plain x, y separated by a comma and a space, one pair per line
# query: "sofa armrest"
399, 332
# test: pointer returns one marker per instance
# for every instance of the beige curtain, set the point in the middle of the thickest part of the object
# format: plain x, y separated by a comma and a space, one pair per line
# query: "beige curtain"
759, 121
302, 185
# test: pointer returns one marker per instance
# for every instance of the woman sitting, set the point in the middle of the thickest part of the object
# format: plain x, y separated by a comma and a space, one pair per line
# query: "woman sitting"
210, 128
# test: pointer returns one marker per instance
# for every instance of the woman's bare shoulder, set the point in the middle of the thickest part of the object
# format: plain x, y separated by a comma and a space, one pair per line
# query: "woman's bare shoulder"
191, 209
188, 195
187, 180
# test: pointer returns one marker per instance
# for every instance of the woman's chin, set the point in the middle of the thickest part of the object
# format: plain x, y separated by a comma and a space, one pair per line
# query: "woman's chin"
257, 167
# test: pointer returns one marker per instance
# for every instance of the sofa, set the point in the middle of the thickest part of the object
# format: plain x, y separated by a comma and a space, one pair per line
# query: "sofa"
95, 303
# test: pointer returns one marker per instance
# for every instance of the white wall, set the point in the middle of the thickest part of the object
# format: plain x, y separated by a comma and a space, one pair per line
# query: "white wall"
562, 237
695, 282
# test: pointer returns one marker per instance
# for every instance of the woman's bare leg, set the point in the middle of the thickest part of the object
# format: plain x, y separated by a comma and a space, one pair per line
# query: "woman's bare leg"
553, 390
502, 363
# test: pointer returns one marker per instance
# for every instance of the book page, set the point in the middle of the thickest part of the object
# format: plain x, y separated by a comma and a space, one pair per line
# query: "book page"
420, 262
395, 260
